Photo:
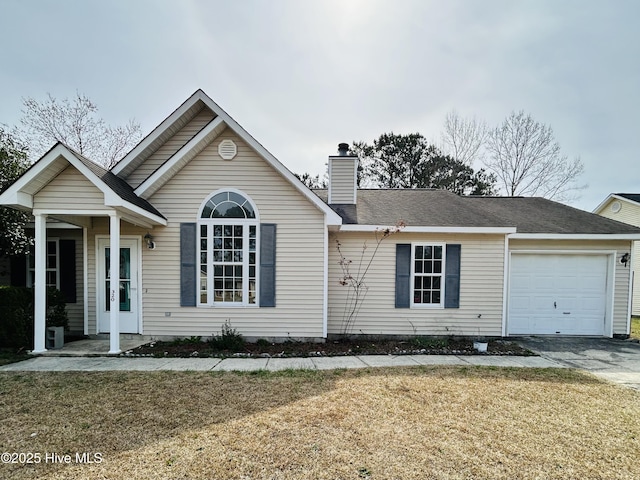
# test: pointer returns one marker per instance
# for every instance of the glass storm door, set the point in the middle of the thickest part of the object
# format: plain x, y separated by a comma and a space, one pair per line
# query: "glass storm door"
128, 289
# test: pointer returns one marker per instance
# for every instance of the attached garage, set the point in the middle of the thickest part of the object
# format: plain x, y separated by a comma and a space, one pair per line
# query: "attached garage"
560, 294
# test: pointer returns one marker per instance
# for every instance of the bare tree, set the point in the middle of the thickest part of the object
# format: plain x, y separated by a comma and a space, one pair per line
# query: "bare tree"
527, 160
464, 138
76, 124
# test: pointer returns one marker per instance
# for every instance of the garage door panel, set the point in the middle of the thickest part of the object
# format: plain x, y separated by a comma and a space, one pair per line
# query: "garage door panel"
557, 294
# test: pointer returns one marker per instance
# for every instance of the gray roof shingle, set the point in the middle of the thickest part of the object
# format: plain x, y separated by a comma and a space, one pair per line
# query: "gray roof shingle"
441, 208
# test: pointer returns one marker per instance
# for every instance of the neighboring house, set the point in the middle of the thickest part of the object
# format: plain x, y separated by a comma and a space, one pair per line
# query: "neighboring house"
625, 207
211, 227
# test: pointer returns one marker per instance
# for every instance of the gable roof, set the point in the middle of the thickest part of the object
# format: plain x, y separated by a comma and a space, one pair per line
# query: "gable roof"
180, 117
627, 197
117, 193
441, 208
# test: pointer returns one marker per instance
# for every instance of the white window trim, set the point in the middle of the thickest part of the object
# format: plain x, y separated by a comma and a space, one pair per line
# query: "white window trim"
31, 272
245, 222
428, 306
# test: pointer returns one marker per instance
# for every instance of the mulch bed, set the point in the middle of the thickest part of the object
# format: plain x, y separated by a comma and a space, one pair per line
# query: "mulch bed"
419, 346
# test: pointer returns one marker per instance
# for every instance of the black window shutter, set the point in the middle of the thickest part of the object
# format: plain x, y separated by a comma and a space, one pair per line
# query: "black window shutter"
188, 282
403, 275
68, 270
19, 271
267, 265
452, 277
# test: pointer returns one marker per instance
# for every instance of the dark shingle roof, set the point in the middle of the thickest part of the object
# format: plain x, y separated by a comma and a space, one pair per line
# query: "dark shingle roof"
118, 185
634, 197
441, 208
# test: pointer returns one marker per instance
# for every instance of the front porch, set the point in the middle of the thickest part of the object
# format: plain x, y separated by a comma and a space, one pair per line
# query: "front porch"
65, 186
97, 346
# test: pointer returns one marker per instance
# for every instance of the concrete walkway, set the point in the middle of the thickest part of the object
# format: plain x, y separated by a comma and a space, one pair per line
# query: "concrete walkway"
611, 359
93, 364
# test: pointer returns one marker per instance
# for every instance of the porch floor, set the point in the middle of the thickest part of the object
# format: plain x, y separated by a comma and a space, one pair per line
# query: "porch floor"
94, 347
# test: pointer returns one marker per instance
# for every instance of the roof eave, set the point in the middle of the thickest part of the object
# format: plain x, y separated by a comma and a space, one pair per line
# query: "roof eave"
575, 236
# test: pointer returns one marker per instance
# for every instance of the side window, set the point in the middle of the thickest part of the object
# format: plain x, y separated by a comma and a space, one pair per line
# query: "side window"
428, 266
52, 263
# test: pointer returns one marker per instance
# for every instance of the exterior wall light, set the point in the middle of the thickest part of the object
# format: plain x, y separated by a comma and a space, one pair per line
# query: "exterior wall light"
149, 241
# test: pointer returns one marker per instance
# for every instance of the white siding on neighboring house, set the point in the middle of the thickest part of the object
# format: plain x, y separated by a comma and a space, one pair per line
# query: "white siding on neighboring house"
622, 273
629, 213
71, 190
299, 250
481, 287
175, 143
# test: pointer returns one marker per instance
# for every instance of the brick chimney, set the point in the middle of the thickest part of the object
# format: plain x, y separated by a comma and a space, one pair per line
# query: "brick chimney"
343, 171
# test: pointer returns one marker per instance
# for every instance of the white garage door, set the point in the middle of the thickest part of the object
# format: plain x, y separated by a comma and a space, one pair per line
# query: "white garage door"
557, 294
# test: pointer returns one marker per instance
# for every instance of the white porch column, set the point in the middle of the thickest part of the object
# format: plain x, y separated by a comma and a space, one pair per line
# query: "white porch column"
40, 281
114, 284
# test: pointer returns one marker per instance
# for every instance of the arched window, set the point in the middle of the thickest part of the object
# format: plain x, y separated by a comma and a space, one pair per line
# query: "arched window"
228, 250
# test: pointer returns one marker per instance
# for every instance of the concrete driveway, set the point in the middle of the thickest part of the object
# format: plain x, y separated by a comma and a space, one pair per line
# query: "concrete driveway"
615, 360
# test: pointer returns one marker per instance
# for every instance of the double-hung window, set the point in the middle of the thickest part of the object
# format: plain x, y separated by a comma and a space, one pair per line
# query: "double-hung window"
428, 270
227, 251
52, 265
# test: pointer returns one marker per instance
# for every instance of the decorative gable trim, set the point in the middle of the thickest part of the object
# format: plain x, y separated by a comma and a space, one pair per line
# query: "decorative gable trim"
178, 160
199, 97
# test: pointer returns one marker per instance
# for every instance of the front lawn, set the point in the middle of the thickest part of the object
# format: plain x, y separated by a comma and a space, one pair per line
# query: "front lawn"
635, 327
409, 423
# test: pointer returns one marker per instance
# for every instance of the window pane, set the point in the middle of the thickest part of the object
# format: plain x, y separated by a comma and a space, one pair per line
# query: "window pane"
436, 283
435, 297
417, 283
228, 270
238, 271
237, 243
418, 252
437, 266
252, 231
248, 210
428, 252
217, 230
237, 198
51, 248
252, 258
437, 252
217, 270
237, 231
426, 297
428, 267
227, 230
207, 210
237, 256
219, 198
418, 266
51, 261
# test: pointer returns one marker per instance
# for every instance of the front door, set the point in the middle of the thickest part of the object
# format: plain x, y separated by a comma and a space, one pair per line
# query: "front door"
129, 291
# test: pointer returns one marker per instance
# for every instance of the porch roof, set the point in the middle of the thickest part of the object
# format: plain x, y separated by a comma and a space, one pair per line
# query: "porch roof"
118, 194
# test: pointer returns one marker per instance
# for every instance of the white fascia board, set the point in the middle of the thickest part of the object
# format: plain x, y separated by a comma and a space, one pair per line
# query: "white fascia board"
149, 185
156, 133
612, 196
14, 196
575, 236
332, 217
426, 229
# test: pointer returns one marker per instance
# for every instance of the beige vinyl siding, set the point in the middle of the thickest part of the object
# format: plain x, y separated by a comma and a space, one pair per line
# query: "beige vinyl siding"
299, 254
629, 213
342, 180
175, 143
622, 273
481, 287
70, 189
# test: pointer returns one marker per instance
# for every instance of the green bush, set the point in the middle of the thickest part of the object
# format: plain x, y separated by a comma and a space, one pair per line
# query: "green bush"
16, 315
229, 339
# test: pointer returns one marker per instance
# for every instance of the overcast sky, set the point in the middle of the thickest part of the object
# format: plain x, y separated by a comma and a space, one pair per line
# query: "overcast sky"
302, 76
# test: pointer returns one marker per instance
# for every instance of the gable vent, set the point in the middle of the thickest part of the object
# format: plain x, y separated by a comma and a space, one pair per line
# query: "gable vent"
227, 149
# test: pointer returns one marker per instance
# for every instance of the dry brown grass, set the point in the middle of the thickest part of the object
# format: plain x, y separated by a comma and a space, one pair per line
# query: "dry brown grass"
635, 327
405, 423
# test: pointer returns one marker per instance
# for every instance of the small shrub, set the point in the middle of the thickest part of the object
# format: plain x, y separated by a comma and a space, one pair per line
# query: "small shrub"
263, 342
229, 338
16, 315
